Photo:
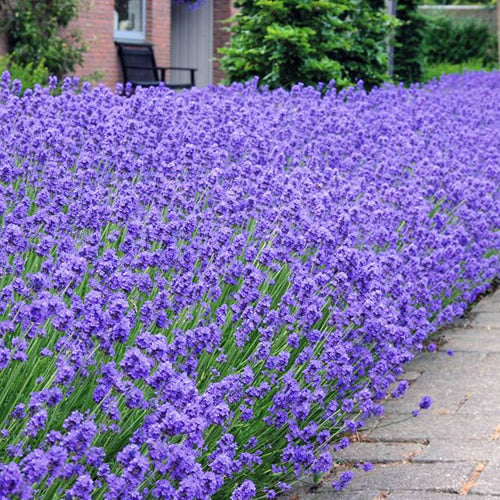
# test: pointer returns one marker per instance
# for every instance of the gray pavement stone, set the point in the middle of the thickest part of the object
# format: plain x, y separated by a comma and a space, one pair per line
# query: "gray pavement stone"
487, 305
453, 388
447, 450
476, 340
440, 362
445, 401
323, 494
378, 452
491, 319
448, 390
483, 497
490, 365
430, 426
488, 483
422, 495
328, 493
482, 401
439, 477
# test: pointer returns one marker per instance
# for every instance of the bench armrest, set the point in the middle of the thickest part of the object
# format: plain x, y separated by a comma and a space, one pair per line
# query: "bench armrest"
163, 69
176, 68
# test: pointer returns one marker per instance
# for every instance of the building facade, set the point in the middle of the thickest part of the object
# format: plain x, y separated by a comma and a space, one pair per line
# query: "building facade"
181, 35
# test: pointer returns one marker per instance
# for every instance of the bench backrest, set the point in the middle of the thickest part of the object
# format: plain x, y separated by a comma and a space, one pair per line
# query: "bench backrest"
138, 63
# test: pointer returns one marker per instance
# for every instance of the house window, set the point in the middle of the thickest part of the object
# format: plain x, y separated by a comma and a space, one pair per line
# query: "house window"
130, 20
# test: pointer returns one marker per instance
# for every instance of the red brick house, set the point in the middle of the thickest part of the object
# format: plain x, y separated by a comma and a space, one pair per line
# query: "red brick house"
182, 36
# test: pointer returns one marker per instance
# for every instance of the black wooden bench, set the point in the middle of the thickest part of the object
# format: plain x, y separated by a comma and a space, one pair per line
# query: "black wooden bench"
139, 67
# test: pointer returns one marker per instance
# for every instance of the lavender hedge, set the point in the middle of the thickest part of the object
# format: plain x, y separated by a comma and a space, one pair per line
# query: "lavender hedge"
203, 293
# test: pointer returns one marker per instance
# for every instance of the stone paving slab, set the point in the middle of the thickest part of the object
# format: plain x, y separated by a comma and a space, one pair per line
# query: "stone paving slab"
441, 363
421, 495
484, 401
430, 426
446, 450
491, 319
488, 304
490, 364
449, 391
323, 494
329, 493
439, 477
453, 389
488, 482
476, 340
379, 452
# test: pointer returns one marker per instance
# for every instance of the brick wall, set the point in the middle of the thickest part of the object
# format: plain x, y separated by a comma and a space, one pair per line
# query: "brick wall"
222, 10
158, 29
96, 25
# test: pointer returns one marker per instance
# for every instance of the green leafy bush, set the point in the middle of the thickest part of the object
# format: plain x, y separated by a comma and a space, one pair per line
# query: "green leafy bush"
409, 57
284, 42
28, 74
437, 70
446, 41
36, 33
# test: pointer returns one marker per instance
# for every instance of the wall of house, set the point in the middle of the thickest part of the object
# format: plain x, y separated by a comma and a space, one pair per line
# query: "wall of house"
223, 9
158, 29
95, 24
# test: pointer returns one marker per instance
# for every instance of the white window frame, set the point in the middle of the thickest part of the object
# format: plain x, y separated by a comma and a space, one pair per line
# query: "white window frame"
129, 35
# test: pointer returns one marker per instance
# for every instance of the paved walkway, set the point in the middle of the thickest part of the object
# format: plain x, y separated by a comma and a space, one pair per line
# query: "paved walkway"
450, 450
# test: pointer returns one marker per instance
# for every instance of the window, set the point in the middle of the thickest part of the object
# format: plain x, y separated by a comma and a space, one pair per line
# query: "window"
129, 20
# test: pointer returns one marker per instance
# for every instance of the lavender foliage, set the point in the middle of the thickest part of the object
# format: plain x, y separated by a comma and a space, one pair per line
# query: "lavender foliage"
203, 293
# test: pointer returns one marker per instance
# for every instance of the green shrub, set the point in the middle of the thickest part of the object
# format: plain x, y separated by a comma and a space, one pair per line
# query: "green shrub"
36, 33
289, 41
409, 56
437, 70
446, 41
28, 74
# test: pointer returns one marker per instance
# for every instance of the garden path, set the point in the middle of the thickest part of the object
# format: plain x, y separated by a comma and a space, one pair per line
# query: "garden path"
453, 448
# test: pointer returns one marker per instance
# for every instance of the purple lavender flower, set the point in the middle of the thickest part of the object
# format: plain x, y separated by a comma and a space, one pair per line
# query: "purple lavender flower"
213, 291
245, 491
401, 389
425, 403
12, 482
82, 488
344, 479
135, 364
